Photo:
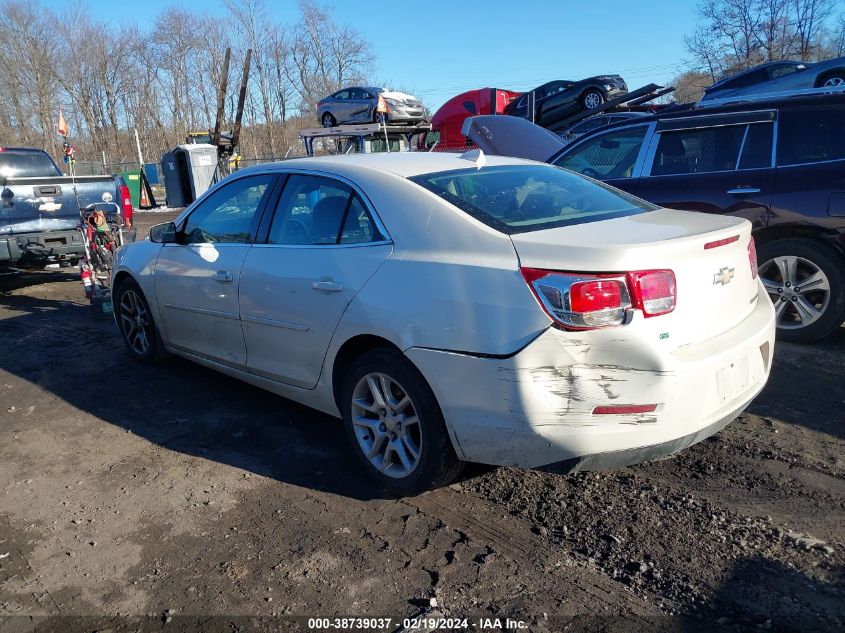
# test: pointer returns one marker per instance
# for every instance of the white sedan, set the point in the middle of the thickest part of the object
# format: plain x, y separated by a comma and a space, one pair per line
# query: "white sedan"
452, 308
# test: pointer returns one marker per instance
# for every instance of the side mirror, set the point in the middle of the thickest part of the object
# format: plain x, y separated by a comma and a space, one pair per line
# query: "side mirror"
163, 233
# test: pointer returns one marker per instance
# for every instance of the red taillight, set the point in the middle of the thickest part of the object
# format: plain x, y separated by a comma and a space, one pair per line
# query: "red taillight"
752, 257
724, 242
624, 408
125, 203
590, 296
653, 291
580, 301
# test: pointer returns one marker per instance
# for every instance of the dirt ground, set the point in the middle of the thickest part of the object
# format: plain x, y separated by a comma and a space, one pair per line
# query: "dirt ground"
173, 498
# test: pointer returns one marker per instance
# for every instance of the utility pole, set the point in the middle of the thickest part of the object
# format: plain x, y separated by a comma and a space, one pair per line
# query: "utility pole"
138, 147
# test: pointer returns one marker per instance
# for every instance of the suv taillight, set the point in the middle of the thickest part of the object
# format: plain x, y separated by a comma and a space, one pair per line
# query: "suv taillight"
581, 301
752, 257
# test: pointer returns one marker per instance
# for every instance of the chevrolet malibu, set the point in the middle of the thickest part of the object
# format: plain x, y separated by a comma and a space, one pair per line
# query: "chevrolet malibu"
459, 308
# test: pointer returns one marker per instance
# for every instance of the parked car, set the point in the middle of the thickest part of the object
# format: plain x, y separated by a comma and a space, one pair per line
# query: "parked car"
446, 123
778, 77
39, 208
597, 121
356, 105
451, 309
778, 163
558, 99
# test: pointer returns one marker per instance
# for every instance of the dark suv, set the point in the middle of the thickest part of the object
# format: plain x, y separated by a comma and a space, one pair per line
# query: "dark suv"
780, 163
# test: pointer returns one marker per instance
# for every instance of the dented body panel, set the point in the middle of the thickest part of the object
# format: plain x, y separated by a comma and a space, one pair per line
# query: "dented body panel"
535, 408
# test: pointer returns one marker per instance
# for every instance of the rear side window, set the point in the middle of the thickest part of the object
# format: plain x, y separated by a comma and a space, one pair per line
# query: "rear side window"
521, 198
701, 150
610, 155
320, 211
811, 135
757, 148
25, 165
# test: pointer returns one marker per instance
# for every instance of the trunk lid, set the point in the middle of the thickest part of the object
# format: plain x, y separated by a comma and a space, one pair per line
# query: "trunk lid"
512, 136
715, 287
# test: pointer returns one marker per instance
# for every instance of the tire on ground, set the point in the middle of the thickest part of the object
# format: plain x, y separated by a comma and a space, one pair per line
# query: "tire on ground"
156, 352
832, 264
438, 465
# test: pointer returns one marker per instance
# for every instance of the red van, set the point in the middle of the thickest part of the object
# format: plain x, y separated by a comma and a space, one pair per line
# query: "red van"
445, 135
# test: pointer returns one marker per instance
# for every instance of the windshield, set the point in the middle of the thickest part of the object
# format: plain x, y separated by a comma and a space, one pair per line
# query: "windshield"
521, 198
26, 165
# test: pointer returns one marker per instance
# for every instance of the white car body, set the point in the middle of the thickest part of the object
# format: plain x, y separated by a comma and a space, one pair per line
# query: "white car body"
446, 290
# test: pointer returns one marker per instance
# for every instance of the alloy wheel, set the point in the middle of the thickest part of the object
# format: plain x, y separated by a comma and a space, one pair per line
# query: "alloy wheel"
592, 100
135, 322
798, 288
834, 81
386, 425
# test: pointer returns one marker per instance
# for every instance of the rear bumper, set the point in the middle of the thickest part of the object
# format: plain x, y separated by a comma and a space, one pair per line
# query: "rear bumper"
535, 408
43, 247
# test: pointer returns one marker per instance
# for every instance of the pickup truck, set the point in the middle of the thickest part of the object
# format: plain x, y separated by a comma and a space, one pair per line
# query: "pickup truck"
39, 208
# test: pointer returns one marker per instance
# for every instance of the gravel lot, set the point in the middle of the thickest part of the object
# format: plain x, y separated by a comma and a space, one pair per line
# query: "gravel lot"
174, 498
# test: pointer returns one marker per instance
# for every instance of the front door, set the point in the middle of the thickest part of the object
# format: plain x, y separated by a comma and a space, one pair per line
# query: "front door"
197, 278
323, 245
612, 157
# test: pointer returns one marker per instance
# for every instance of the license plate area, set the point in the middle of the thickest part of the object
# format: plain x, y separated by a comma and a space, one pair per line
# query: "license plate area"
733, 380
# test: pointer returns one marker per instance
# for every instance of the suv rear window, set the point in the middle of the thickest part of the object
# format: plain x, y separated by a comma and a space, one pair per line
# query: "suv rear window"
811, 135
521, 198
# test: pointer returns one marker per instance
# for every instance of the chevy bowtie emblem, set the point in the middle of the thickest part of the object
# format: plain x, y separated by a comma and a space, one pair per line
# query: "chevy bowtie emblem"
724, 276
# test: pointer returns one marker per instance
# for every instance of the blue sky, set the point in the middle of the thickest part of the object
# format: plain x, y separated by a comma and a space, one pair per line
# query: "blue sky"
439, 48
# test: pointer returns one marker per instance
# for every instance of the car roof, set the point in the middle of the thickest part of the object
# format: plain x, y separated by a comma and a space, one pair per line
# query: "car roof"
405, 164
742, 73
740, 105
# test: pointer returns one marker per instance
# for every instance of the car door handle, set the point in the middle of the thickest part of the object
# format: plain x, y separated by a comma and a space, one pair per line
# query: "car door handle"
327, 286
742, 190
223, 277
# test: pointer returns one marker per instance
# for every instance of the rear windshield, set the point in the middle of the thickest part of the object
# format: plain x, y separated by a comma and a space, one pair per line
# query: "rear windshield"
522, 198
25, 165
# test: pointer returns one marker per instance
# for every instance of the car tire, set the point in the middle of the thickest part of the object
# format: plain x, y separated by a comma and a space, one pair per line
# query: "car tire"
784, 265
135, 322
836, 78
592, 99
328, 120
384, 431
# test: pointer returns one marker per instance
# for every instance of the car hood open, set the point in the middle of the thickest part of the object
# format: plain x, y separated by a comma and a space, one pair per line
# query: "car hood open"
512, 136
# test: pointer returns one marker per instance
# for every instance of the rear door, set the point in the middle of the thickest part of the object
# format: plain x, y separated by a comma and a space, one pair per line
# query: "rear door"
811, 167
197, 279
615, 156
720, 164
324, 243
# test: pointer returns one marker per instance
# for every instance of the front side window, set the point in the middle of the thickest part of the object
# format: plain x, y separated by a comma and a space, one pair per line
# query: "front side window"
229, 214
610, 155
520, 198
319, 211
782, 70
811, 135
701, 150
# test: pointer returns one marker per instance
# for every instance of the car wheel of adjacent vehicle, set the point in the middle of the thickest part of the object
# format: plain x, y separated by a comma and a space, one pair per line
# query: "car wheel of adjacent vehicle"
329, 120
805, 280
837, 79
592, 99
394, 424
136, 324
